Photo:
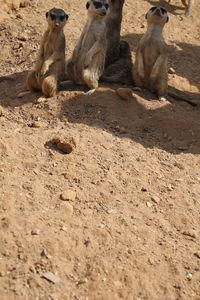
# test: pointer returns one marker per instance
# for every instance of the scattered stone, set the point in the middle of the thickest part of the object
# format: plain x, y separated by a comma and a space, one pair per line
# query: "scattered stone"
45, 253
22, 94
189, 276
110, 211
42, 100
22, 37
65, 144
82, 281
197, 254
35, 231
143, 189
171, 71
155, 199
67, 208
51, 277
38, 124
68, 195
124, 93
190, 233
1, 111
64, 228
149, 204
117, 283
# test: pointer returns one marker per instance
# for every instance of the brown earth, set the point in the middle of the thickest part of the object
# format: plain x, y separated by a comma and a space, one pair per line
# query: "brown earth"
130, 226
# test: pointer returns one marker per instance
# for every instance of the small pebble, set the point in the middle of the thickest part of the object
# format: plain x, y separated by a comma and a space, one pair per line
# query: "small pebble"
124, 93
197, 254
42, 100
189, 233
189, 276
155, 199
171, 71
149, 204
35, 231
68, 195
65, 144
39, 124
67, 208
51, 277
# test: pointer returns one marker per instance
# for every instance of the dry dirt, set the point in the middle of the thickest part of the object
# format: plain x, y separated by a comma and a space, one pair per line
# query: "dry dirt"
118, 217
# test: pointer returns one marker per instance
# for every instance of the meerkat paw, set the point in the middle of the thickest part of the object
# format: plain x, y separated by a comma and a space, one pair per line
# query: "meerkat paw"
90, 92
44, 70
161, 98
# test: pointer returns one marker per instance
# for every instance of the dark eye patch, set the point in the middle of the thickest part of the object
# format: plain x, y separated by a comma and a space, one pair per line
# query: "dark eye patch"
62, 18
153, 8
53, 17
163, 10
106, 6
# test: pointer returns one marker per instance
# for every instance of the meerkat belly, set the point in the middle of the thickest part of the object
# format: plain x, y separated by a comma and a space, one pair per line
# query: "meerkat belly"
150, 56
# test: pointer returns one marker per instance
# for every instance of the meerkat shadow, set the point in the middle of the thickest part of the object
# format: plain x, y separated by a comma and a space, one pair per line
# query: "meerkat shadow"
14, 92
171, 8
172, 127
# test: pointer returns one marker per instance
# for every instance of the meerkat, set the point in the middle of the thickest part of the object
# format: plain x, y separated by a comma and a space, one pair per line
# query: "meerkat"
88, 58
118, 63
150, 68
51, 59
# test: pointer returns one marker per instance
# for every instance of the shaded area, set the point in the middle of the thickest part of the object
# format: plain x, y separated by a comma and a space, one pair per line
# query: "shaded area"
168, 127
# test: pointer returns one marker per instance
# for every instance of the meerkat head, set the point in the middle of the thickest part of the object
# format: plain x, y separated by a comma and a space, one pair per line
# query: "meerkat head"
97, 8
157, 15
56, 18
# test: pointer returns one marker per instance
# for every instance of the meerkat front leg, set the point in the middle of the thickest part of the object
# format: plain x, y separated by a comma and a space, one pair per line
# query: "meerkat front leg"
138, 70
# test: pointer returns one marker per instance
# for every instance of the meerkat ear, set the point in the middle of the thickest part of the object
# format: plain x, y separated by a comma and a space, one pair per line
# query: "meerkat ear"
47, 14
87, 5
146, 16
167, 19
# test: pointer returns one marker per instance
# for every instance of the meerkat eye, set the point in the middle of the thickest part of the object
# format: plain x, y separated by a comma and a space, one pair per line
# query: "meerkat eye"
53, 17
153, 8
97, 4
163, 10
62, 18
106, 6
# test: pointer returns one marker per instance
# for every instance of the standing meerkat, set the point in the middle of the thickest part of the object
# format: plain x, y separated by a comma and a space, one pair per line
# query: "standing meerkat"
150, 68
51, 59
118, 63
88, 58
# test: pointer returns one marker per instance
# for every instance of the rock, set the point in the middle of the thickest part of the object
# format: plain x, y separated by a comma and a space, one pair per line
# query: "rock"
65, 144
197, 254
68, 195
155, 199
35, 231
190, 233
67, 208
149, 204
124, 93
189, 276
39, 124
23, 37
51, 277
42, 100
171, 71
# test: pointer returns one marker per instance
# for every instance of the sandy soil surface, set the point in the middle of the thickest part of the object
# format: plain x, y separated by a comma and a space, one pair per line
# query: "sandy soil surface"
128, 227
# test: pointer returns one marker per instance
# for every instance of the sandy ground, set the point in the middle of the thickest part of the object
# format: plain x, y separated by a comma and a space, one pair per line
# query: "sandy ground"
131, 229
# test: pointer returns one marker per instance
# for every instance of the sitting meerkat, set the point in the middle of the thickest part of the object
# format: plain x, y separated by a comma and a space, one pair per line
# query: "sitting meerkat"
88, 58
51, 59
150, 68
118, 63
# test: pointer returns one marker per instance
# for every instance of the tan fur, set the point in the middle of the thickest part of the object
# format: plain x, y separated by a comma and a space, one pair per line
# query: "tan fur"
88, 59
150, 68
51, 58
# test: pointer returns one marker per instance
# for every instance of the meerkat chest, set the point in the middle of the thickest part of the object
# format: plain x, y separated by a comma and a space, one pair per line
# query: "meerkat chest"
93, 32
50, 45
152, 49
